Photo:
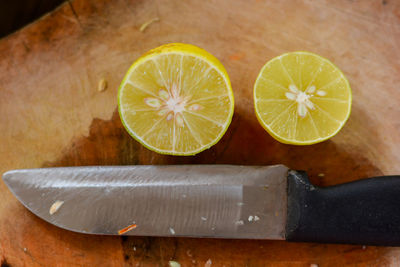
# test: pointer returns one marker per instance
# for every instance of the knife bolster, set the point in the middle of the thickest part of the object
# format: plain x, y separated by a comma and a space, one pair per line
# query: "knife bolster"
365, 212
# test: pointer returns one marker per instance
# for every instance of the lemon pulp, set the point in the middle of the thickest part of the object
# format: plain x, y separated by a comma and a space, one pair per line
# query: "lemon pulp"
176, 99
301, 98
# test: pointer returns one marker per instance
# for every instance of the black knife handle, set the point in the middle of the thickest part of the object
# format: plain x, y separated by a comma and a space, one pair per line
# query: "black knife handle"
365, 212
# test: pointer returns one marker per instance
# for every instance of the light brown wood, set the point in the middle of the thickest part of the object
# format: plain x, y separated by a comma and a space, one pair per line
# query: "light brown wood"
52, 114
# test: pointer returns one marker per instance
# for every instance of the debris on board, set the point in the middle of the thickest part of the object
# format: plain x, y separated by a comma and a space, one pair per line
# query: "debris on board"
174, 264
253, 218
102, 86
172, 231
56, 206
237, 56
147, 24
127, 229
208, 263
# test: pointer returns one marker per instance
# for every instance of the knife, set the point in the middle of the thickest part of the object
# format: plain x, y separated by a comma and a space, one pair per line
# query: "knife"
217, 201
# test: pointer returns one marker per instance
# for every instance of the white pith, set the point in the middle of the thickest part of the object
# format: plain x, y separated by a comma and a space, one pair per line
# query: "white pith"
303, 99
171, 103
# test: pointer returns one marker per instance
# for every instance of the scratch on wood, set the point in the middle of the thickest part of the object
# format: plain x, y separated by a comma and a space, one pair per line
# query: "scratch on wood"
232, 133
26, 47
176, 243
161, 256
32, 258
4, 263
357, 15
74, 12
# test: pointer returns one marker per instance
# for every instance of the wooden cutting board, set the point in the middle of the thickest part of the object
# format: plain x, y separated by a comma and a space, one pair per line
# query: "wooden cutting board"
52, 114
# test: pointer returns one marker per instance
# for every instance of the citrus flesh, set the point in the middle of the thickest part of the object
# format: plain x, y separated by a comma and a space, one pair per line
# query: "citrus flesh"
301, 98
176, 99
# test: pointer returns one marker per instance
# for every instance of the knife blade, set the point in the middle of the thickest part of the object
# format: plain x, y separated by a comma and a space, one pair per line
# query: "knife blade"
217, 201
191, 200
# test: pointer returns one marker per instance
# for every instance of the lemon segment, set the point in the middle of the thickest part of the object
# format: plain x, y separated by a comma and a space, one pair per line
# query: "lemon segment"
176, 99
301, 98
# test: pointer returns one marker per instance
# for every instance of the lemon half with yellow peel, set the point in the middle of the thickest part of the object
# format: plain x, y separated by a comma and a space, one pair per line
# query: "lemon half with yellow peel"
176, 99
302, 98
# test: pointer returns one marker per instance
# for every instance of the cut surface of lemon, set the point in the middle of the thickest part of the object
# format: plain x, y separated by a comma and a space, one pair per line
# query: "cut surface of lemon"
176, 99
301, 98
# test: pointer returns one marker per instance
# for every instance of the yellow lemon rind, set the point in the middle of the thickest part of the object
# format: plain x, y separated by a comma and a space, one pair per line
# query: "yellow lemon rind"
188, 49
293, 141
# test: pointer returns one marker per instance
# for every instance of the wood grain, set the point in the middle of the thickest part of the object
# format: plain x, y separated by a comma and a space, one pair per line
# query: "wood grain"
52, 114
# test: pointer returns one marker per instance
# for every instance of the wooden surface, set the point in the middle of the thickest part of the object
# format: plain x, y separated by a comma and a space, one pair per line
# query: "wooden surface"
15, 14
51, 114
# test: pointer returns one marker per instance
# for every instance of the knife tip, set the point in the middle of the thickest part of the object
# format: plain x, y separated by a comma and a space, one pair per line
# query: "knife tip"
7, 176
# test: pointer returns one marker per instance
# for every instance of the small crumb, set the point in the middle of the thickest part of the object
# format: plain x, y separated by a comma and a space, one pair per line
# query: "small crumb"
194, 261
240, 203
174, 264
203, 218
239, 222
172, 230
25, 249
147, 24
184, 196
208, 263
189, 253
321, 174
250, 218
266, 187
313, 265
212, 228
102, 86
364, 247
237, 56
56, 206
256, 218
276, 213
134, 248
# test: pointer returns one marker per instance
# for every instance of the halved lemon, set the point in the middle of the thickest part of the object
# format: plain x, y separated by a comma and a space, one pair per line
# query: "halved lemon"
301, 98
176, 99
